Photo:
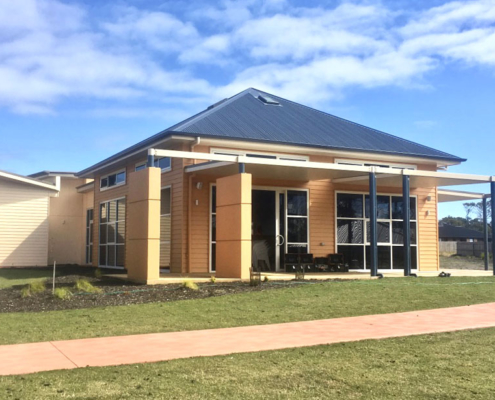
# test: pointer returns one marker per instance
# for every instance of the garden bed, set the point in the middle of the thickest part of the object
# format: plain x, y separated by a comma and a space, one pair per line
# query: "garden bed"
117, 292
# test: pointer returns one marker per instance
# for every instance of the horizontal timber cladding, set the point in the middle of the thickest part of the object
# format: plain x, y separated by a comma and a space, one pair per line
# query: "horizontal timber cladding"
23, 224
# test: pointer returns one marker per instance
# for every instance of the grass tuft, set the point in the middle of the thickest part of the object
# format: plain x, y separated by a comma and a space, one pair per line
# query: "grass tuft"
62, 293
25, 292
190, 285
213, 279
37, 287
83, 285
98, 273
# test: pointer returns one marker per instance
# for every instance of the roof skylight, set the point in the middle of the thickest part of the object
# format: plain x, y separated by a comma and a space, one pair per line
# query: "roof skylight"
268, 100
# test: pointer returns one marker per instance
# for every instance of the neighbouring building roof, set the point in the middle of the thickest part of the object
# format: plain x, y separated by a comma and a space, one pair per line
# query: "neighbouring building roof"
26, 180
457, 232
44, 174
254, 115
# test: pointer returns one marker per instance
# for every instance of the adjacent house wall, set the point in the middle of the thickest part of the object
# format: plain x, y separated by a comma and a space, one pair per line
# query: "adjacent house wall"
23, 224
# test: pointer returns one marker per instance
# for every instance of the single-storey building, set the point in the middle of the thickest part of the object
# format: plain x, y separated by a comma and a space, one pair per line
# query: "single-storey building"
451, 233
256, 177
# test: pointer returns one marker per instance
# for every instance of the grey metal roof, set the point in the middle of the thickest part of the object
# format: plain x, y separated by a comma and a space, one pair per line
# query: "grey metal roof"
446, 231
245, 117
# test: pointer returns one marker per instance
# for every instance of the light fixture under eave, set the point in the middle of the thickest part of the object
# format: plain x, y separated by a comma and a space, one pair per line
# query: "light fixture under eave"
199, 185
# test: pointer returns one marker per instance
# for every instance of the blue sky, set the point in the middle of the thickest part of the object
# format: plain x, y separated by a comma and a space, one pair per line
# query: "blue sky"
80, 81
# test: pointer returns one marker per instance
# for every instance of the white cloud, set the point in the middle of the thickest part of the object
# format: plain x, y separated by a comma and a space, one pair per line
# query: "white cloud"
53, 51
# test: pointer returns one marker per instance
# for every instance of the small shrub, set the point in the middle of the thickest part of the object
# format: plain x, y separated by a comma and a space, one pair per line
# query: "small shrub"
213, 279
37, 287
190, 285
266, 279
254, 281
98, 273
62, 293
25, 292
84, 285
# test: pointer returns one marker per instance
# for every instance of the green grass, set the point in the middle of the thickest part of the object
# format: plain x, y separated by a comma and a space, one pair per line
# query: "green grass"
22, 276
306, 302
455, 365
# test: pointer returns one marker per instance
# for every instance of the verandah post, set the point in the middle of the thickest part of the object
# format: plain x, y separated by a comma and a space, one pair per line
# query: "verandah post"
373, 225
485, 233
492, 191
406, 217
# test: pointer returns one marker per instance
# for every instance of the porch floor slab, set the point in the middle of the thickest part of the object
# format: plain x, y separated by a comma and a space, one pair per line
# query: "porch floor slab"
172, 278
132, 349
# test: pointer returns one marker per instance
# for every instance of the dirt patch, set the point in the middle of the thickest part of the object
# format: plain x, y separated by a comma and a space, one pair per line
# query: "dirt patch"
116, 292
462, 262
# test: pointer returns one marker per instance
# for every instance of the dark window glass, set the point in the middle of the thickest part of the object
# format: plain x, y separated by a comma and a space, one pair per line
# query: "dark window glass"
103, 182
103, 255
349, 231
297, 230
213, 199
165, 201
91, 233
120, 232
398, 233
261, 156
111, 256
382, 206
140, 167
353, 256
398, 257
397, 208
111, 233
163, 163
297, 249
120, 256
382, 231
103, 234
112, 179
297, 203
349, 205
383, 257
213, 256
213, 228
120, 177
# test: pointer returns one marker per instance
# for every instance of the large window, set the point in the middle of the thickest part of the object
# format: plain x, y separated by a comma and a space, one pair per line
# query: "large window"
297, 221
165, 227
114, 179
164, 163
89, 236
353, 230
284, 157
112, 233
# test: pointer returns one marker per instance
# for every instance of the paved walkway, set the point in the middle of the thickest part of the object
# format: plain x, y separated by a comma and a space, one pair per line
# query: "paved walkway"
67, 354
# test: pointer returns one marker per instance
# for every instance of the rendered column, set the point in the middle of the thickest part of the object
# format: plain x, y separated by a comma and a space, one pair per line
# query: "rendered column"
233, 230
485, 233
143, 225
406, 216
373, 226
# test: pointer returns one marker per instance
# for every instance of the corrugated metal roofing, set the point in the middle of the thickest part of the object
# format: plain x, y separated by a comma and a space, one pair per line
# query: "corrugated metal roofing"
246, 117
446, 231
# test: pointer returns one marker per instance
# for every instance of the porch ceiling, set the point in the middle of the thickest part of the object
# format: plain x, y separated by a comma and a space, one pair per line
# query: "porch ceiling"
338, 173
445, 196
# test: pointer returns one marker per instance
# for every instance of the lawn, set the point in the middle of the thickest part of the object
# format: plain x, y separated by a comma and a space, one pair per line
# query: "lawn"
20, 276
455, 365
310, 301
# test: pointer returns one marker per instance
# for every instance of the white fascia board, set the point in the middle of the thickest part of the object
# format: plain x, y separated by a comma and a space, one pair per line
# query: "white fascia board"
30, 181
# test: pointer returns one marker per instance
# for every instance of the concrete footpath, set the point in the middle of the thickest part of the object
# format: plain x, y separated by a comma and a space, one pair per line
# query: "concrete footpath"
132, 349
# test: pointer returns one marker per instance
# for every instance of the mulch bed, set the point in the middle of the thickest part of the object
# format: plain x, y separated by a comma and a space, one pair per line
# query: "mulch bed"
117, 292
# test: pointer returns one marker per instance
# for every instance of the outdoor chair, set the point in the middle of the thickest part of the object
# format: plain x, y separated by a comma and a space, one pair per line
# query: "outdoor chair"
321, 264
307, 262
336, 263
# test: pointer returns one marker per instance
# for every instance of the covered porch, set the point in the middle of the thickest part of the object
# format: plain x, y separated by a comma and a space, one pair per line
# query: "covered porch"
411, 242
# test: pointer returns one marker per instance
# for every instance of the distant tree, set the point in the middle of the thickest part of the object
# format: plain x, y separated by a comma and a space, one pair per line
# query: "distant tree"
474, 216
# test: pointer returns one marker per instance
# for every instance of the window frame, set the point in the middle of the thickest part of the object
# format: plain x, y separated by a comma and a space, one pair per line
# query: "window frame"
89, 231
117, 172
170, 215
365, 220
113, 243
362, 163
145, 165
245, 153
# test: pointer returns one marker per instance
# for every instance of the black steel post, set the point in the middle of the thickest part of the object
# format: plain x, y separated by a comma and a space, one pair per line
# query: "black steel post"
242, 168
485, 233
492, 191
406, 216
373, 227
